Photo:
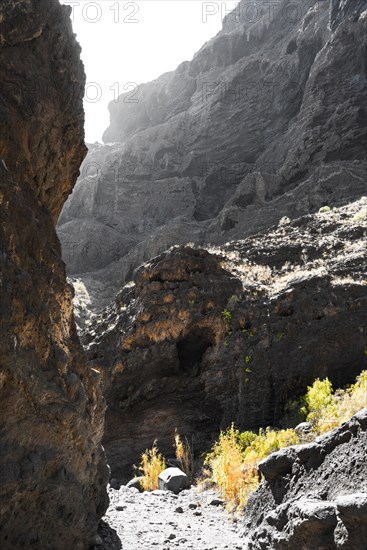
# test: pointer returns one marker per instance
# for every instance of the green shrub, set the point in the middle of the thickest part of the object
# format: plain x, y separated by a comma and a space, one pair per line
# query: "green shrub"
326, 410
227, 315
233, 460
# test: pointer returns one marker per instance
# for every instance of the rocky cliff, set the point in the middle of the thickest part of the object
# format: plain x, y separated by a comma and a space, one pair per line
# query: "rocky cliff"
53, 470
314, 495
200, 339
267, 120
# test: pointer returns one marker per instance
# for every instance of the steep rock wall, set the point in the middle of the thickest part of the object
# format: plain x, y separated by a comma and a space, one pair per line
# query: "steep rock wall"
53, 469
267, 120
200, 340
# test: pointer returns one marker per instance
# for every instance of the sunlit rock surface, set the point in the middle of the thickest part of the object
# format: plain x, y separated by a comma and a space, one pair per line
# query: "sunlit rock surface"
267, 120
314, 495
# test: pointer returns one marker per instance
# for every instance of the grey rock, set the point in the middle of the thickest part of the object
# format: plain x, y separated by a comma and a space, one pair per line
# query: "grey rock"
322, 504
303, 427
216, 502
135, 483
173, 479
115, 483
256, 127
278, 463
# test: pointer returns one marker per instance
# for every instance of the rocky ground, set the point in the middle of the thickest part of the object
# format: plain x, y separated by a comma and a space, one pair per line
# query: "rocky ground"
313, 496
162, 520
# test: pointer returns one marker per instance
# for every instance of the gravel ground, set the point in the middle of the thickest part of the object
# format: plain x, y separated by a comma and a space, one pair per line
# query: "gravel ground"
163, 521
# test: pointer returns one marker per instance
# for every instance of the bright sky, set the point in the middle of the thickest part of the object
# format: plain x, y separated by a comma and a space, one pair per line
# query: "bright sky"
133, 42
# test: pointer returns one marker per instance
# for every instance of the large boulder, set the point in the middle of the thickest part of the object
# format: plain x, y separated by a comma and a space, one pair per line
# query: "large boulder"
313, 495
173, 479
53, 469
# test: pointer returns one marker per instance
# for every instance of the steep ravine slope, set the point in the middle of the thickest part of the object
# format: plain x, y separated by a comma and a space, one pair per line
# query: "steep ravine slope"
314, 495
267, 120
53, 469
201, 339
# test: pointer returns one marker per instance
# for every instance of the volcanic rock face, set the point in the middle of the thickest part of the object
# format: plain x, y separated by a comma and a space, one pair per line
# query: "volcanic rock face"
53, 470
156, 347
267, 120
313, 495
200, 340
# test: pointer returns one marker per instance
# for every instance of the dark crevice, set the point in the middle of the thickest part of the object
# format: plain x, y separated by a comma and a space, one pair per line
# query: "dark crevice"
191, 350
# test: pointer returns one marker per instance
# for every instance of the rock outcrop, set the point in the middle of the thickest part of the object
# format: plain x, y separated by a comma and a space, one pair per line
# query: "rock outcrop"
52, 467
313, 495
267, 120
201, 339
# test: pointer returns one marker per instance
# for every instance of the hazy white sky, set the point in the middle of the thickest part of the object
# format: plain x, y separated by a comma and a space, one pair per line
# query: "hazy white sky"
133, 42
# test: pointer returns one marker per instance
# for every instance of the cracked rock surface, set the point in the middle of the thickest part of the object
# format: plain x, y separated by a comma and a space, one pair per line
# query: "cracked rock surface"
313, 495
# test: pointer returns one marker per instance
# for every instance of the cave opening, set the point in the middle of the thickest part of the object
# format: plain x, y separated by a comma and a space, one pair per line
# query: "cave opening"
191, 349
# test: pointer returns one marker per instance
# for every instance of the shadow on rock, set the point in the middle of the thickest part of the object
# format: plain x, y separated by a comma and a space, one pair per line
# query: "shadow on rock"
109, 539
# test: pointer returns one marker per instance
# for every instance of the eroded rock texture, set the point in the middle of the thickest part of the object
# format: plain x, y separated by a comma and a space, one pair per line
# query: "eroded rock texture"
267, 120
314, 495
53, 471
200, 339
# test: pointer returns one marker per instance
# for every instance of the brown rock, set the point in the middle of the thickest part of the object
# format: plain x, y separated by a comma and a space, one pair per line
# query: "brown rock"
276, 321
53, 471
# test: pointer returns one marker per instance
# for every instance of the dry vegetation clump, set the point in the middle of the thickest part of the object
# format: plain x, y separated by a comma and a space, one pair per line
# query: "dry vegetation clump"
232, 463
184, 455
151, 465
326, 410
234, 458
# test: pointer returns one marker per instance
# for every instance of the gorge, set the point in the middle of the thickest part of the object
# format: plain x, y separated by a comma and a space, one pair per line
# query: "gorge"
201, 267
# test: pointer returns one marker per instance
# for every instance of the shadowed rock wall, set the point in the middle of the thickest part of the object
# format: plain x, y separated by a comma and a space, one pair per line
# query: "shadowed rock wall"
52, 467
200, 340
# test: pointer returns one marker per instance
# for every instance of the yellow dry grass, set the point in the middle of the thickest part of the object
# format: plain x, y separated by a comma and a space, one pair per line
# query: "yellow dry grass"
151, 465
183, 455
232, 463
